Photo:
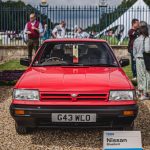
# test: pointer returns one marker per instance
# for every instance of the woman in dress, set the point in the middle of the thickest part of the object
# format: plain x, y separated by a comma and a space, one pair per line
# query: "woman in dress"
141, 44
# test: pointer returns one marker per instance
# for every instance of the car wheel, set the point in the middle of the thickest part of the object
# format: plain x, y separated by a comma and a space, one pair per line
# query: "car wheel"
21, 129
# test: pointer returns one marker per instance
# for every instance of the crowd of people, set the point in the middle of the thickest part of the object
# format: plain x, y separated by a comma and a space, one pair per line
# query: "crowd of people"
139, 44
60, 31
34, 31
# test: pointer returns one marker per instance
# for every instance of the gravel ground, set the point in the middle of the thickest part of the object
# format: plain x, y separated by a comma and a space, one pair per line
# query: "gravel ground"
48, 139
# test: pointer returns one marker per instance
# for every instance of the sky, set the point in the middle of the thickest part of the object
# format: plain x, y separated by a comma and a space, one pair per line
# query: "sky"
72, 2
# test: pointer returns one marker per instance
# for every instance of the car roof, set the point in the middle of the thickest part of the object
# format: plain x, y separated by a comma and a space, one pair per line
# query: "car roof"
74, 40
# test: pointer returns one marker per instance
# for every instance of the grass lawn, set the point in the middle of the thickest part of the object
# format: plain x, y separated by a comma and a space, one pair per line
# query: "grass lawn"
128, 71
12, 65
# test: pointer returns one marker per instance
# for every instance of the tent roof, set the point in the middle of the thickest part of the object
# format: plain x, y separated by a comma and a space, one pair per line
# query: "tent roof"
139, 10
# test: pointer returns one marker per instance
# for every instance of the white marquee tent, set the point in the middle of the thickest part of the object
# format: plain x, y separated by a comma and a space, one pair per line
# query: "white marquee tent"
139, 10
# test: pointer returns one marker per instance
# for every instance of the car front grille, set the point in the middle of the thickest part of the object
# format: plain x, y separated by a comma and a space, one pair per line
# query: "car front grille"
48, 96
52, 96
82, 97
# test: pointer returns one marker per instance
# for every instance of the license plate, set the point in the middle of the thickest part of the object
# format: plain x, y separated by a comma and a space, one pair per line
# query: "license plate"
73, 117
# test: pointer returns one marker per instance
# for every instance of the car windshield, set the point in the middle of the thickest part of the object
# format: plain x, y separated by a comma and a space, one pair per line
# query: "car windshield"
75, 54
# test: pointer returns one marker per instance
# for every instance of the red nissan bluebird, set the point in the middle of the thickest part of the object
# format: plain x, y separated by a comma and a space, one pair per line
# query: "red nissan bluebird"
74, 83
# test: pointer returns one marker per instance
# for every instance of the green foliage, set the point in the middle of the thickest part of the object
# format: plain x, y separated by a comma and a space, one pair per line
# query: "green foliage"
147, 2
126, 3
125, 41
10, 3
113, 40
15, 14
12, 65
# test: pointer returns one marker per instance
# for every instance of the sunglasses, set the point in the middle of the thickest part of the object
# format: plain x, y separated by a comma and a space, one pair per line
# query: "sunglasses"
32, 17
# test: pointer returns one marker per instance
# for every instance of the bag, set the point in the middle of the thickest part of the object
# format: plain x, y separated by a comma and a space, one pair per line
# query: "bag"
146, 57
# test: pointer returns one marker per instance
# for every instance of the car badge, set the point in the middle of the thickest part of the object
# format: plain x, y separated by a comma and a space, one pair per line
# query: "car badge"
74, 95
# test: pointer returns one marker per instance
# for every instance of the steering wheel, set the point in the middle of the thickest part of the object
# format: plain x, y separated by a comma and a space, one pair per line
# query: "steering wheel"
54, 59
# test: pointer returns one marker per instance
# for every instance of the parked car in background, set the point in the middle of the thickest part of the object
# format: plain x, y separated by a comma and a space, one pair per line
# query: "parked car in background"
70, 35
74, 83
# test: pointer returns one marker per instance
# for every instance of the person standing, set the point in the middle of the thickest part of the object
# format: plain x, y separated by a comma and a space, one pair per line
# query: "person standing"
59, 31
33, 29
46, 33
81, 34
133, 34
93, 34
141, 45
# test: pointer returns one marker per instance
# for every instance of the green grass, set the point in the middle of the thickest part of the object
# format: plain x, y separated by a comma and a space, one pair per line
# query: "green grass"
128, 71
12, 65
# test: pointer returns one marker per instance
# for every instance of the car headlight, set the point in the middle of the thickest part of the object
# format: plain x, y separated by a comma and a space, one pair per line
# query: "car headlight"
21, 94
122, 95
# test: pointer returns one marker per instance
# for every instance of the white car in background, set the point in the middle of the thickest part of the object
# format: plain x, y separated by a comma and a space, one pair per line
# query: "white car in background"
70, 35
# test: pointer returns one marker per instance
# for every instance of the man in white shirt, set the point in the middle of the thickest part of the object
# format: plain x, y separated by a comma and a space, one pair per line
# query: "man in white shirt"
59, 31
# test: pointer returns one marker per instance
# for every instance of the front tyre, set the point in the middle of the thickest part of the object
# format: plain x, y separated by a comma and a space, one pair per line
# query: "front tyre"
21, 129
129, 128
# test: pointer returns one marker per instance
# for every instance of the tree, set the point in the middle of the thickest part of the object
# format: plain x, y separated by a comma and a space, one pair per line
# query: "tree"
14, 15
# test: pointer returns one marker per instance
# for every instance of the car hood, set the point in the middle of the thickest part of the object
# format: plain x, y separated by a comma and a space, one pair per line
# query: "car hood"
74, 79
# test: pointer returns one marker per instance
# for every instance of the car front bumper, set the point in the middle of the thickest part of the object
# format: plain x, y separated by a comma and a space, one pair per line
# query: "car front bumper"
106, 116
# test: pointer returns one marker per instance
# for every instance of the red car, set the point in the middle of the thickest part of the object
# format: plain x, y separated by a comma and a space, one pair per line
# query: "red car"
74, 83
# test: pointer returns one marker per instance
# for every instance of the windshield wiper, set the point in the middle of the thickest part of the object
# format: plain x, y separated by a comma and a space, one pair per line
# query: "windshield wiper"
75, 65
42, 65
47, 64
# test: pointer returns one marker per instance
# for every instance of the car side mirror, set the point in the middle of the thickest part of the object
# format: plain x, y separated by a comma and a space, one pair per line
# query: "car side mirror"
124, 62
25, 62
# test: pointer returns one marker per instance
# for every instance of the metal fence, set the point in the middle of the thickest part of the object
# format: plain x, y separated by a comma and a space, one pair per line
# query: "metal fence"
90, 18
